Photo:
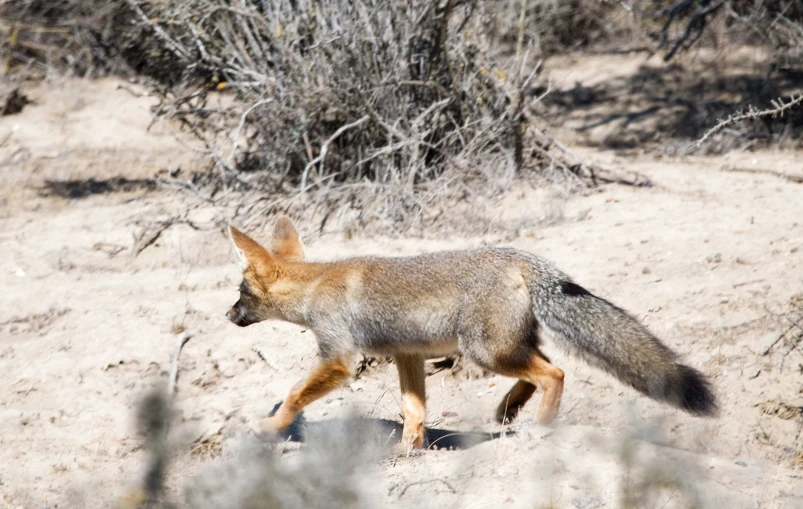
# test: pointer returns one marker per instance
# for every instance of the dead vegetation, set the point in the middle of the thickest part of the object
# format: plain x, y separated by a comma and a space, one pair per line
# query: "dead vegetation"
383, 110
34, 323
792, 336
250, 473
338, 463
387, 115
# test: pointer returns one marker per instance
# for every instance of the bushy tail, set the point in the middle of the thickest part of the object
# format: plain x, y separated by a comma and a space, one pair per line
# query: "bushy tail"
609, 338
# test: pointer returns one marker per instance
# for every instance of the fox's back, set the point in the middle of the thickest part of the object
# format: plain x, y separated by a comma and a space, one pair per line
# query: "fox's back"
420, 302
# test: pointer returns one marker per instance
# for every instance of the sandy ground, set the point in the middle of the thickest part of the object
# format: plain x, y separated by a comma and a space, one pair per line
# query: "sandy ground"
710, 259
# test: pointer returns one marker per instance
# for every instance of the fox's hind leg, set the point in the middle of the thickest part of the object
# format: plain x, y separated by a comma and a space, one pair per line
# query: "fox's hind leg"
538, 372
325, 377
413, 388
504, 337
515, 398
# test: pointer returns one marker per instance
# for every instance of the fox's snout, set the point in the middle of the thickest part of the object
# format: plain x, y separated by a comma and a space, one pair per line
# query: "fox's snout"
236, 316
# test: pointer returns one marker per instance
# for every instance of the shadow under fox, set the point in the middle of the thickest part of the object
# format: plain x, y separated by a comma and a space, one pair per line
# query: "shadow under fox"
492, 304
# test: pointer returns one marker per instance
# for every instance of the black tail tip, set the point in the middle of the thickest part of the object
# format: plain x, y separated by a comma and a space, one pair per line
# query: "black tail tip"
693, 393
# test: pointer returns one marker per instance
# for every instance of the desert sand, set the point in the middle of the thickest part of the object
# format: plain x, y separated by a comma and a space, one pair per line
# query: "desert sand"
711, 259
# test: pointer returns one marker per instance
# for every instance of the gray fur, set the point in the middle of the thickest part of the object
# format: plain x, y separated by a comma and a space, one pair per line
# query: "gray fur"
611, 339
491, 304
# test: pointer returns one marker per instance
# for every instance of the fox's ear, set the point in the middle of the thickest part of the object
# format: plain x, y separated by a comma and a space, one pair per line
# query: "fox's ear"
285, 243
248, 250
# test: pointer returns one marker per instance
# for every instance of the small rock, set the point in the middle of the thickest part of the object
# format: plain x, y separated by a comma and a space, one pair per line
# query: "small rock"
646, 270
644, 241
794, 249
724, 300
753, 373
741, 463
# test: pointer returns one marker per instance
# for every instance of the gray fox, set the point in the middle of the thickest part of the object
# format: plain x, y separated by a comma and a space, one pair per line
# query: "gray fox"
493, 305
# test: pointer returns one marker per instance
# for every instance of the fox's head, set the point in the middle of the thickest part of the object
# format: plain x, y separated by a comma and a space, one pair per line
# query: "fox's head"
262, 271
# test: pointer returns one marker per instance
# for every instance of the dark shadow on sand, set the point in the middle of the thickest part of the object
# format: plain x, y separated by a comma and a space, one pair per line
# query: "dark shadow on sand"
387, 432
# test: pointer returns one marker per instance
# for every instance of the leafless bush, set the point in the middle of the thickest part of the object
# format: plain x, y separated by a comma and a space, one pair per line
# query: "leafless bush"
557, 27
81, 36
389, 112
381, 107
778, 23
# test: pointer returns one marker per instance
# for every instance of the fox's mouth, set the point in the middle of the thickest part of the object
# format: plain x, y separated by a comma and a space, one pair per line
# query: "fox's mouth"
238, 318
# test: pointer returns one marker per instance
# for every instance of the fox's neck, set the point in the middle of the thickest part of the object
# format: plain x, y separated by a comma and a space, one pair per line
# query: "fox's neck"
292, 294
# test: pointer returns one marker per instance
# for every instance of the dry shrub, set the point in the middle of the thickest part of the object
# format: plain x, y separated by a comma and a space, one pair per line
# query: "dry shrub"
88, 38
379, 109
382, 109
373, 114
80, 36
759, 117
556, 27
778, 23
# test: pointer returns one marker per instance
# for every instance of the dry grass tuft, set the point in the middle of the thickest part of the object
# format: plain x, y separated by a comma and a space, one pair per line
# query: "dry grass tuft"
249, 473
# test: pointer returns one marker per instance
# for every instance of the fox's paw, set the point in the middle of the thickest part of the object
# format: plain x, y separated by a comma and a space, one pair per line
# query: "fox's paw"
405, 448
269, 426
401, 449
507, 414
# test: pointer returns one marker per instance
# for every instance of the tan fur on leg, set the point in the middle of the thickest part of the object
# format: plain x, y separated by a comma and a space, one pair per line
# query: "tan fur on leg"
550, 379
325, 377
412, 381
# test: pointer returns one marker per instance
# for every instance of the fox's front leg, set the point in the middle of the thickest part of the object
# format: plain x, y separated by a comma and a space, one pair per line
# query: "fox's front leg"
413, 383
325, 377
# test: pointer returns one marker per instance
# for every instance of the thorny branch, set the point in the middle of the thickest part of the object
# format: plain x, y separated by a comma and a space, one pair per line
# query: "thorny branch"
778, 109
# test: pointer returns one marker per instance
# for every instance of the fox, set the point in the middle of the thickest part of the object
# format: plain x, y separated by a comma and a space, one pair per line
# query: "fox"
494, 305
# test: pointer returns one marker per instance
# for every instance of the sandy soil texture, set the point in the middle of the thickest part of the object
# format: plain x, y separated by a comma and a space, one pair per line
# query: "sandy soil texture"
710, 258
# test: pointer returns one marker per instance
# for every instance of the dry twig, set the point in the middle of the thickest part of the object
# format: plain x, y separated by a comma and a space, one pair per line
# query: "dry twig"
325, 148
262, 356
765, 171
778, 109
172, 378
